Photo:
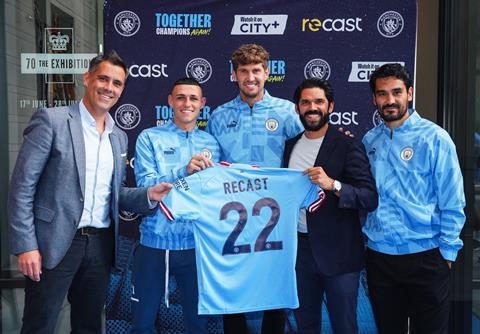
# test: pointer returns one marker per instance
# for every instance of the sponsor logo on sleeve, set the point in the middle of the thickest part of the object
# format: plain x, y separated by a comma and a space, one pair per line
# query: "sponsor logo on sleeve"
127, 23
259, 24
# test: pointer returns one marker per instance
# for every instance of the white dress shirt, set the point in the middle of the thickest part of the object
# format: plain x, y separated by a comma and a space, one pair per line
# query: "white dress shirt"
98, 171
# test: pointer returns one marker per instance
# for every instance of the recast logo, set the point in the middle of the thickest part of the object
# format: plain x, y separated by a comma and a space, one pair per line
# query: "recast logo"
148, 71
338, 25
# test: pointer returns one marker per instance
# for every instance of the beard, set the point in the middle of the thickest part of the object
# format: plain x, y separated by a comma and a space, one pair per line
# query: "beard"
392, 117
316, 125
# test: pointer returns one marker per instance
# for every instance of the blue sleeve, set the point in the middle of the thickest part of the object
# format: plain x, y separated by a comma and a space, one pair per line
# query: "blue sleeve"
150, 165
448, 184
314, 195
293, 125
183, 201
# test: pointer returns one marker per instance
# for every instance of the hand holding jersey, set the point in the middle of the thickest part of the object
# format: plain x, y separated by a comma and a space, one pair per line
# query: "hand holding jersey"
245, 229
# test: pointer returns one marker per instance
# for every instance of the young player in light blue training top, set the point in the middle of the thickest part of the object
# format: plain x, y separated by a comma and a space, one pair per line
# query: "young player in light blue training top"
167, 153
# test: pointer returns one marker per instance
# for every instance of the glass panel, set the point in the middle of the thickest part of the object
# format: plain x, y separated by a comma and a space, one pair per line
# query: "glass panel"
476, 229
45, 46
42, 37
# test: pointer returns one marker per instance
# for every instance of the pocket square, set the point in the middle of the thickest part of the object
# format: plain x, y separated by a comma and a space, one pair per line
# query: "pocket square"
123, 154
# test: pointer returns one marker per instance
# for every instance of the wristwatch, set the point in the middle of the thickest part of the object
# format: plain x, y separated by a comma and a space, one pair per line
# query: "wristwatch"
337, 186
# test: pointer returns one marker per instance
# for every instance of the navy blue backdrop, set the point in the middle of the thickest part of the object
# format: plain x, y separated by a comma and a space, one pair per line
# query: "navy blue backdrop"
161, 41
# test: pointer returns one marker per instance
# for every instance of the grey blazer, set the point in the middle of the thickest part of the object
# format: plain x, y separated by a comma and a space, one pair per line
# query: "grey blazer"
47, 186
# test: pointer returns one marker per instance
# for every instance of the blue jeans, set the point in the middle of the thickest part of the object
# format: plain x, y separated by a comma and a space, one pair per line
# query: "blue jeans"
341, 293
149, 288
83, 273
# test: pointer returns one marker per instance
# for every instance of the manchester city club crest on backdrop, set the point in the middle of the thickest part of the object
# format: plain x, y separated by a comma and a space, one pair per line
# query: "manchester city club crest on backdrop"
199, 69
317, 68
127, 23
127, 116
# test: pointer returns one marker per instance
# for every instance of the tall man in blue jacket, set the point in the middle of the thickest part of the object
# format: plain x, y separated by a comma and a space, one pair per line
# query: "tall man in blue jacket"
413, 236
330, 242
252, 129
65, 194
165, 154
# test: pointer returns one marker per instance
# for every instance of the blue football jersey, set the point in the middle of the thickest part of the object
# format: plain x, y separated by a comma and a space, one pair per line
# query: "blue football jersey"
245, 229
254, 135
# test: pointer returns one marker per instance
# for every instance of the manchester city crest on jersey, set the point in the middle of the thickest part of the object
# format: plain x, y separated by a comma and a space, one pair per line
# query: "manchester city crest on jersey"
406, 154
271, 124
206, 153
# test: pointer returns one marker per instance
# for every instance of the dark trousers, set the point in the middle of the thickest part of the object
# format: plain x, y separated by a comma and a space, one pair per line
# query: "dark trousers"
414, 286
273, 323
83, 276
341, 292
149, 288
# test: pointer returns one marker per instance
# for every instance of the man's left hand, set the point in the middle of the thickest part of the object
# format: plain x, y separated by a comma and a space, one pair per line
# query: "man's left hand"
319, 177
158, 191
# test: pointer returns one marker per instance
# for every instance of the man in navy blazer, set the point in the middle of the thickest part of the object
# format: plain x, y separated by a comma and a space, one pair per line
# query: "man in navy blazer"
330, 242
64, 199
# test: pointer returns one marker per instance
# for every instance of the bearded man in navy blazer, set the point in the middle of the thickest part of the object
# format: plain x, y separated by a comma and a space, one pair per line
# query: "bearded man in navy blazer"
65, 194
330, 241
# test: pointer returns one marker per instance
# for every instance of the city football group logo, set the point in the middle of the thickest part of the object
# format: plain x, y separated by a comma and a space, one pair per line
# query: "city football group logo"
127, 23
127, 116
317, 68
199, 69
390, 24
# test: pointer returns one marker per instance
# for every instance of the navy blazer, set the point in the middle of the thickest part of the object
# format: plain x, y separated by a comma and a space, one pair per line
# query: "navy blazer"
335, 231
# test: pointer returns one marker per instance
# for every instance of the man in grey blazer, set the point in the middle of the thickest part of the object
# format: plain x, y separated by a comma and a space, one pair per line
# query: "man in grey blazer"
65, 194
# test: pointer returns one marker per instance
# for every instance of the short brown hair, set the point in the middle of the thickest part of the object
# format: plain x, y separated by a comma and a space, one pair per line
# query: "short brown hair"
112, 57
248, 54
